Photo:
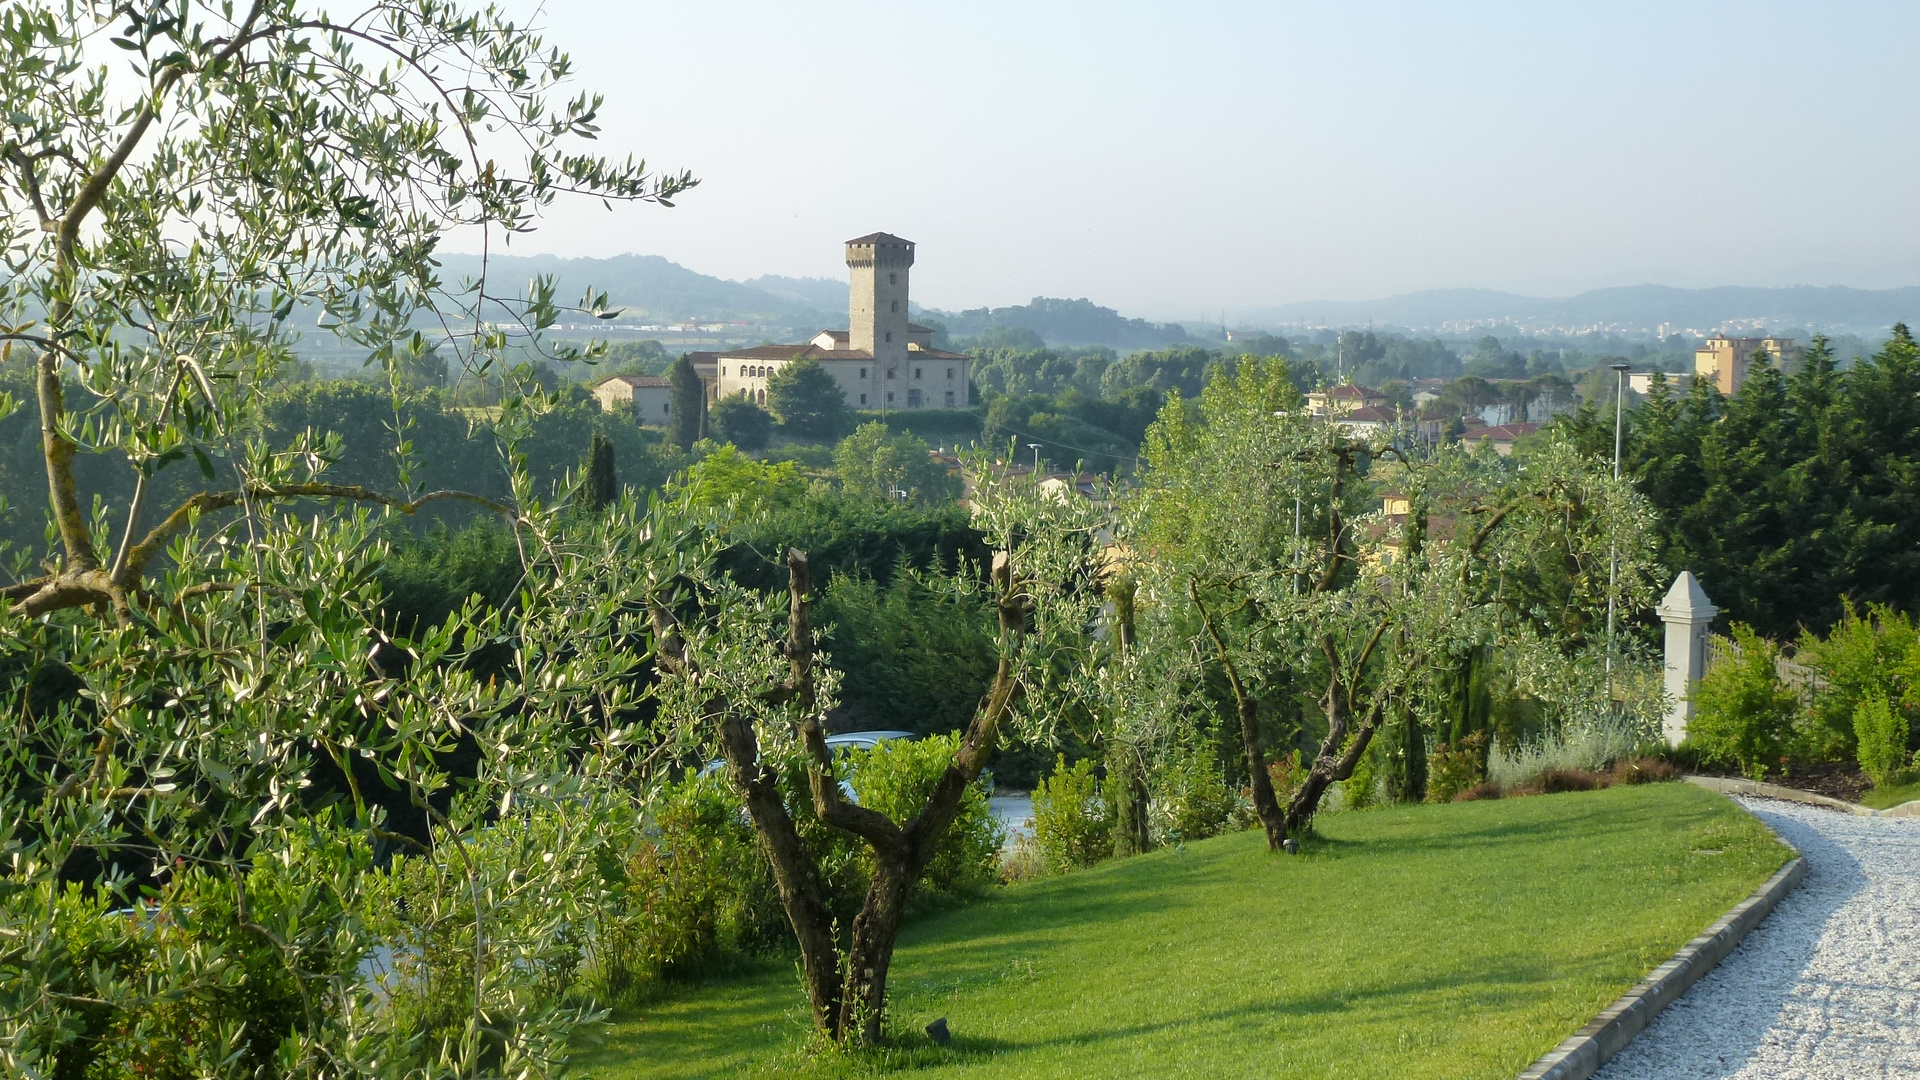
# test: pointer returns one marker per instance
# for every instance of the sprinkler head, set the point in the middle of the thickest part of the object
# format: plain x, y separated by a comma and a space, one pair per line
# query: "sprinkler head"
937, 1031
1291, 846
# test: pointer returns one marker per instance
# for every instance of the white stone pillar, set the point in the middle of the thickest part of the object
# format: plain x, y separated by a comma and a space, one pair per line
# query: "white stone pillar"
1687, 613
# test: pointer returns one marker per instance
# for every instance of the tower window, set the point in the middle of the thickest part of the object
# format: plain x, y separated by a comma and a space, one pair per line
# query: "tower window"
889, 397
916, 373
889, 373
896, 306
949, 373
889, 337
893, 279
863, 373
949, 399
863, 399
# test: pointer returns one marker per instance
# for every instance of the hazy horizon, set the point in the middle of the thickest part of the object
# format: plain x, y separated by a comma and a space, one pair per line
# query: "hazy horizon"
1175, 163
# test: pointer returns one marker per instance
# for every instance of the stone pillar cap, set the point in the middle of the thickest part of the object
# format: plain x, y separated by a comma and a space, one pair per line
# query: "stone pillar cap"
1687, 601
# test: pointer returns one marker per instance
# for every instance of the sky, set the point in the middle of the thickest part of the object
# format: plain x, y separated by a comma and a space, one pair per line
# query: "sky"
1193, 159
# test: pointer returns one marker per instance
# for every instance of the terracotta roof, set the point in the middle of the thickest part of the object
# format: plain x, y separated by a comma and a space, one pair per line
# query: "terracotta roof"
1506, 432
837, 335
795, 352
914, 327
637, 381
938, 354
1348, 390
879, 238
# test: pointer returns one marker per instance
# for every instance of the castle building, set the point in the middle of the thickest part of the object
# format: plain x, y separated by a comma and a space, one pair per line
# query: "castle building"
881, 361
1727, 361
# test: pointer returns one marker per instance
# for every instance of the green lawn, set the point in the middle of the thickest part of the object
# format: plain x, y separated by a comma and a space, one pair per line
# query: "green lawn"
1888, 797
1428, 941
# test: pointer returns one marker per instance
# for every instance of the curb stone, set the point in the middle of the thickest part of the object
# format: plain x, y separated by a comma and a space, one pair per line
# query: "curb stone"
1583, 1052
1727, 785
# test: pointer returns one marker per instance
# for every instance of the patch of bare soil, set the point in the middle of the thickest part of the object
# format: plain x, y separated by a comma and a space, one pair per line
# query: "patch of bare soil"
1835, 780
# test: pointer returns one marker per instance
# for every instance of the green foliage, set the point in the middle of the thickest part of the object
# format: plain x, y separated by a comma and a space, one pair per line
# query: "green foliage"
807, 401
740, 422
914, 655
1072, 823
426, 579
1742, 712
1457, 767
877, 464
1191, 799
689, 400
599, 485
1881, 734
1362, 789
1864, 656
726, 477
845, 534
896, 777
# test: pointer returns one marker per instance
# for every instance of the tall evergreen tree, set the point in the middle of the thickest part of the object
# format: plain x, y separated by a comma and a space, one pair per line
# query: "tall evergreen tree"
599, 484
689, 403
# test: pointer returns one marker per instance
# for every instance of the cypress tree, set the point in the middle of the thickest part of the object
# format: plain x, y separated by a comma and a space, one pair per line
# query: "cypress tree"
599, 485
689, 403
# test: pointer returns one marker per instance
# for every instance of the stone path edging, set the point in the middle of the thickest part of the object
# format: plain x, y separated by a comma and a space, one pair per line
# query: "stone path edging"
1727, 785
1583, 1052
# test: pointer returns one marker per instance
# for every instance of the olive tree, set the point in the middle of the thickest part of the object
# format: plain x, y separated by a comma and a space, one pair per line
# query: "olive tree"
218, 728
1261, 523
766, 700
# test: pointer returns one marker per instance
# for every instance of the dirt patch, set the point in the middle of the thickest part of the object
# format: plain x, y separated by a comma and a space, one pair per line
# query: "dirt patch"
1835, 780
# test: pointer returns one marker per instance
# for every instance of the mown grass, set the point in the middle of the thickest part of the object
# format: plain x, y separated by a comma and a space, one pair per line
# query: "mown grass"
1891, 796
1426, 941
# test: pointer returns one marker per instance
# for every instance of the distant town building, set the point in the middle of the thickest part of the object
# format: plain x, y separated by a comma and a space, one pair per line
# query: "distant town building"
649, 396
1343, 399
881, 361
1501, 436
1727, 361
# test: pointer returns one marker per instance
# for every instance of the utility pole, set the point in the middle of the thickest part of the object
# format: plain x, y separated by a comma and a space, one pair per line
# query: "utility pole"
1613, 544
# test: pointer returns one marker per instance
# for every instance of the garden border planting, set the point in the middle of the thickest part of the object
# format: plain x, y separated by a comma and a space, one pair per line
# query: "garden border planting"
1583, 1052
1726, 785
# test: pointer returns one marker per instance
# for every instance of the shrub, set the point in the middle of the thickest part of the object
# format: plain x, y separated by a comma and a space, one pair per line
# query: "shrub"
1483, 791
1863, 655
1644, 770
1454, 769
1881, 731
1743, 714
1554, 781
1072, 824
740, 422
1362, 789
896, 779
1591, 748
1194, 801
1287, 775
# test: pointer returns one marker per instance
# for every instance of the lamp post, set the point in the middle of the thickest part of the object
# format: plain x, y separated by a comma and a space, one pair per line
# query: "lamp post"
1035, 447
1613, 545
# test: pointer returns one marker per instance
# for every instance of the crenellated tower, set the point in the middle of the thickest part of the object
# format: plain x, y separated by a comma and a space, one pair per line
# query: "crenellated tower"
877, 266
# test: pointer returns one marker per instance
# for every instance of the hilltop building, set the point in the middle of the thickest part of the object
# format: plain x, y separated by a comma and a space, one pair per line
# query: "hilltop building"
881, 361
1727, 361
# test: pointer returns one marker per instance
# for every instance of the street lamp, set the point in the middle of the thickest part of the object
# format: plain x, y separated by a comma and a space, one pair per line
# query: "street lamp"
1613, 553
1035, 447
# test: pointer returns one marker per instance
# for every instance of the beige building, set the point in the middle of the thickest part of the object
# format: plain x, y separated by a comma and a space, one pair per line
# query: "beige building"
881, 361
1726, 361
649, 396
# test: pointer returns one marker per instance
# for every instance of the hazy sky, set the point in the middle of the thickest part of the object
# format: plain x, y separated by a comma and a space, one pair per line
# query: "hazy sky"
1177, 159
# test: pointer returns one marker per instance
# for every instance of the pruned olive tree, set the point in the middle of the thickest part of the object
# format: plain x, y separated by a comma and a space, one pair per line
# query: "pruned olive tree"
765, 699
1262, 524
209, 725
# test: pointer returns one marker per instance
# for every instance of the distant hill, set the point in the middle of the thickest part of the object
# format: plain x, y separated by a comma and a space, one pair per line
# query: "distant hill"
1064, 322
1625, 308
652, 288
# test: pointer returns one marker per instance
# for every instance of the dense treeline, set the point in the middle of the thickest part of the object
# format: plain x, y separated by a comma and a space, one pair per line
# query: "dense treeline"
1796, 495
370, 422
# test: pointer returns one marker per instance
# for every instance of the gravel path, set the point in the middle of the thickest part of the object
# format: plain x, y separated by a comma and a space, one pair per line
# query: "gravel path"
1828, 988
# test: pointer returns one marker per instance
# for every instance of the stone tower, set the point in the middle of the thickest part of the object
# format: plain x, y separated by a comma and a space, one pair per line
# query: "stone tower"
877, 266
